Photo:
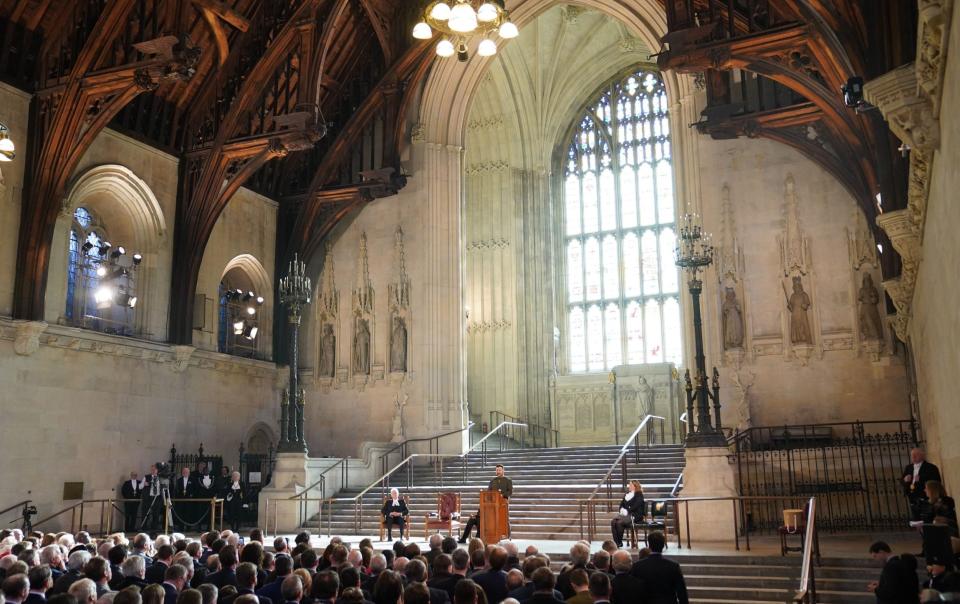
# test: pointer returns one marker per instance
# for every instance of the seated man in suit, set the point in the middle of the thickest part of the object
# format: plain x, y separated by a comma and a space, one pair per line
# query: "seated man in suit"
662, 579
915, 477
394, 512
499, 483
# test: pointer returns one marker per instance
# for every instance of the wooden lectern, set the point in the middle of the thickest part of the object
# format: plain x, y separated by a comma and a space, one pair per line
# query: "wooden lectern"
494, 523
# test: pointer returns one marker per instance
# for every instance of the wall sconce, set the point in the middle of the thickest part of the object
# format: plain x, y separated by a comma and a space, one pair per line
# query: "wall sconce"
7, 151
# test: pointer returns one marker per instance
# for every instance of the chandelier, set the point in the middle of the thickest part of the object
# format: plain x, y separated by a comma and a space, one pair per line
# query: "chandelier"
456, 20
694, 250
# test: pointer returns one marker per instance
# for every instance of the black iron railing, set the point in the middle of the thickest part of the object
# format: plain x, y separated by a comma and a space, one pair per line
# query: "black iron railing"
852, 467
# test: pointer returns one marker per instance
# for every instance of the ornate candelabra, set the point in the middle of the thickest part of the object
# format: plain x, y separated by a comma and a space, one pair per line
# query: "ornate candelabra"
295, 291
694, 254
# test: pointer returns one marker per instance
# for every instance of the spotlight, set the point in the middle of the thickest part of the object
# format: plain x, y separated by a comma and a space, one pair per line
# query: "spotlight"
238, 328
137, 259
132, 302
239, 292
105, 247
853, 92
7, 148
101, 271
103, 297
116, 253
250, 332
125, 299
251, 311
259, 299
249, 296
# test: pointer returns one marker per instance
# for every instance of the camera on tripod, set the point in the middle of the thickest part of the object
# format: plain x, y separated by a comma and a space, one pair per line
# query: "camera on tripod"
27, 513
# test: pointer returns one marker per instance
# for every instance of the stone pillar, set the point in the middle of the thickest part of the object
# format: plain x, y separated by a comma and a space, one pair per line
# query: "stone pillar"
709, 473
443, 332
289, 479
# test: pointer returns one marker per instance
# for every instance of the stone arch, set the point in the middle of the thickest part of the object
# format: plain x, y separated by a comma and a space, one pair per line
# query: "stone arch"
259, 438
129, 209
251, 274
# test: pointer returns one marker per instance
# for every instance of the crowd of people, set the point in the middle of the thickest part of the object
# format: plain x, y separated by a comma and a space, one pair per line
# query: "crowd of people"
226, 568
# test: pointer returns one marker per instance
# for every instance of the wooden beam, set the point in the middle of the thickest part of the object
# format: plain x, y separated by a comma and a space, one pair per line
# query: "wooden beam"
380, 28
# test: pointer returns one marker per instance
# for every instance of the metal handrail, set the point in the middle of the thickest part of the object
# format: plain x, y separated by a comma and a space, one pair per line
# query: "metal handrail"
807, 594
534, 428
436, 437
626, 447
676, 485
16, 505
323, 479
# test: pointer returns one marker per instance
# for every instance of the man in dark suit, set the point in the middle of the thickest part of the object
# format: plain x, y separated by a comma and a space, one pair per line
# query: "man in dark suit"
915, 477
282, 567
543, 584
662, 579
494, 580
394, 513
174, 580
525, 592
184, 488
131, 489
326, 586
151, 501
134, 569
626, 588
416, 572
898, 582
161, 562
442, 577
116, 556
41, 579
227, 575
600, 588
579, 556
246, 582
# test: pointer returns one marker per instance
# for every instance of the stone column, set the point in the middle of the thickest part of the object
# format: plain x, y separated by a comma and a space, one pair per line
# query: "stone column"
709, 473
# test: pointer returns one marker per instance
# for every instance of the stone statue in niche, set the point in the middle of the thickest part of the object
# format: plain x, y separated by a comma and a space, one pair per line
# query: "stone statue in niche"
328, 352
798, 303
647, 396
398, 428
732, 321
361, 348
870, 326
398, 345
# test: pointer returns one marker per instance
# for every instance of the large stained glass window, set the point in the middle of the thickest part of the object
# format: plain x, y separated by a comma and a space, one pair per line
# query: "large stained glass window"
622, 295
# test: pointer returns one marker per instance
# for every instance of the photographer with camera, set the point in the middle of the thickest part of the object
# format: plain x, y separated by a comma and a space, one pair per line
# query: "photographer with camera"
156, 498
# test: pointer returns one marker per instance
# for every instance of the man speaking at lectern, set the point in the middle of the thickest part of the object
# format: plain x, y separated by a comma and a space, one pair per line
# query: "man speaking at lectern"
499, 483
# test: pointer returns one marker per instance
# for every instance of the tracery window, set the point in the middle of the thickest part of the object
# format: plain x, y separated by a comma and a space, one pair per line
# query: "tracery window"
622, 295
101, 286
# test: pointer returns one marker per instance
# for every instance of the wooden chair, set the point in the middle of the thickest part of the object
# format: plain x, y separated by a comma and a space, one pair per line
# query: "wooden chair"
794, 525
448, 505
406, 519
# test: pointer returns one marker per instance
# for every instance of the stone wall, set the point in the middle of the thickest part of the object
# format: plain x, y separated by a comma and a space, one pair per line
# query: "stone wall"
935, 324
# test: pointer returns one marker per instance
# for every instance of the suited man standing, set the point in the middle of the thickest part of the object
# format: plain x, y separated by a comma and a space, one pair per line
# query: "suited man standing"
662, 579
131, 489
184, 488
151, 501
915, 477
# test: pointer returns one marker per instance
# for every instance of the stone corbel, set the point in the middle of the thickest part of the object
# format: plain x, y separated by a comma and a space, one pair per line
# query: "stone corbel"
932, 37
904, 234
909, 114
181, 357
27, 340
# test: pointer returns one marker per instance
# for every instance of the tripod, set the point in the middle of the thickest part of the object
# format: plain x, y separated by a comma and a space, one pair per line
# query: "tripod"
161, 499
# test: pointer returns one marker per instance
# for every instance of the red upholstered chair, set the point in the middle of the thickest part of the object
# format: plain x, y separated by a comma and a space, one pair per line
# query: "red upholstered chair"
447, 518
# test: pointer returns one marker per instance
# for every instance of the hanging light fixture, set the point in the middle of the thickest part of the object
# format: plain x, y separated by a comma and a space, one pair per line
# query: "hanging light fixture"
7, 149
458, 20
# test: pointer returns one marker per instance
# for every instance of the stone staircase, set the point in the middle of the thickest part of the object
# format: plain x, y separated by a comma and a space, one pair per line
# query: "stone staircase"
748, 579
549, 485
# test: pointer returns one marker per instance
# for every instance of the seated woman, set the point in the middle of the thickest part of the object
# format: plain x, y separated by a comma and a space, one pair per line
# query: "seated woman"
942, 509
394, 513
632, 511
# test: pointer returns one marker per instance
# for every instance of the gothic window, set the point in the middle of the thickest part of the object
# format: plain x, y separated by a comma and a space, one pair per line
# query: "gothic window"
622, 295
238, 318
101, 287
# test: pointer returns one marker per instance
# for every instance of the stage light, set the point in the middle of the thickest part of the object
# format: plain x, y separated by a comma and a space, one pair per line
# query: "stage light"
132, 302
251, 311
101, 271
103, 297
105, 247
259, 299
853, 92
238, 328
137, 259
250, 332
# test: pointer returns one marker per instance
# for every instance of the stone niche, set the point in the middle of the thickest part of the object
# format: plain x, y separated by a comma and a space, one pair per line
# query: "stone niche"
605, 408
